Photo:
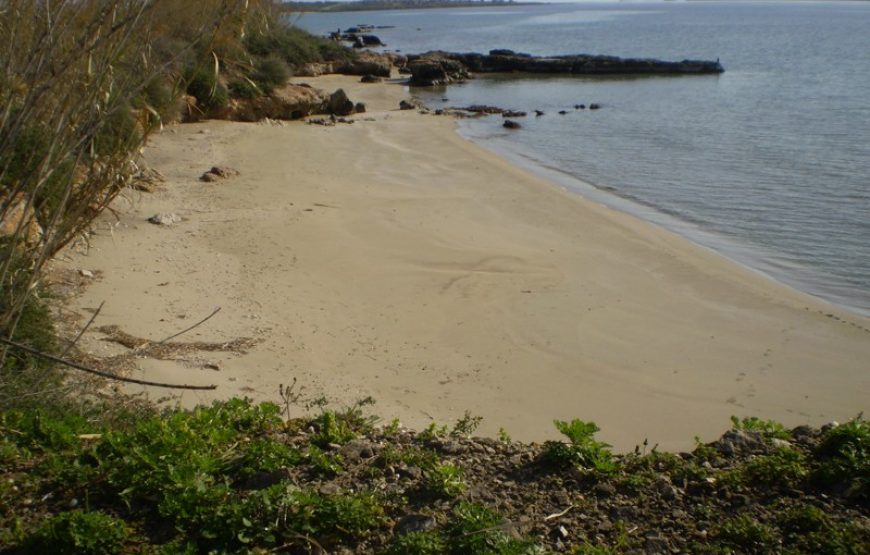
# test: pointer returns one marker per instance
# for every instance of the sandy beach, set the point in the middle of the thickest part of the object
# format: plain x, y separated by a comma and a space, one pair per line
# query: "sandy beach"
394, 259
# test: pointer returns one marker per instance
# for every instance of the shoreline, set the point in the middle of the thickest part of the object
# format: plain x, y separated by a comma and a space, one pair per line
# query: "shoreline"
750, 257
438, 277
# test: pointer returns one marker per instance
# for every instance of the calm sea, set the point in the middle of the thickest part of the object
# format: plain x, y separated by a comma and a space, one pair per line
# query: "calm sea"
768, 163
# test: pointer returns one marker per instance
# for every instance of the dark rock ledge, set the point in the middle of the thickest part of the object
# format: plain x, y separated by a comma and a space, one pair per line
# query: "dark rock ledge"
441, 68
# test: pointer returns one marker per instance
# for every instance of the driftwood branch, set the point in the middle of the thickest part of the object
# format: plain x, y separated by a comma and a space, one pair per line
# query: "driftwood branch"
76, 366
204, 320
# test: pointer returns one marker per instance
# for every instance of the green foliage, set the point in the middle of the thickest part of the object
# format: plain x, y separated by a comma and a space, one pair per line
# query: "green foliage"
324, 464
504, 437
807, 529
340, 427
466, 425
445, 480
243, 88
769, 428
177, 458
478, 530
845, 458
79, 533
784, 467
295, 46
203, 84
35, 430
747, 534
269, 73
433, 431
392, 428
583, 450
35, 329
266, 455
418, 543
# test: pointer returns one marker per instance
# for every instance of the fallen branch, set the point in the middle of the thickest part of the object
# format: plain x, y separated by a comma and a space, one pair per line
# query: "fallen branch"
84, 329
204, 320
70, 364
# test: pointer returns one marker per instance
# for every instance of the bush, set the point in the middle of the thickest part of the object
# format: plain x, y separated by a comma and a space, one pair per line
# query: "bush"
203, 84
418, 543
295, 46
270, 73
845, 458
79, 533
583, 450
243, 88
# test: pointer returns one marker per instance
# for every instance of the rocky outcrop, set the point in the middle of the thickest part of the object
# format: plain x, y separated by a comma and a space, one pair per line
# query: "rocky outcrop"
339, 104
315, 69
439, 68
288, 102
436, 69
366, 63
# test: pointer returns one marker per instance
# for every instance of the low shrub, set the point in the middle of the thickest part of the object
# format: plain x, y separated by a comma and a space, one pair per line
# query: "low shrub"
79, 533
204, 85
583, 450
270, 73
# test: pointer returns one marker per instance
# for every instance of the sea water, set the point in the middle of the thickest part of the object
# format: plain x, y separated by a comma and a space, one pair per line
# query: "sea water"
768, 163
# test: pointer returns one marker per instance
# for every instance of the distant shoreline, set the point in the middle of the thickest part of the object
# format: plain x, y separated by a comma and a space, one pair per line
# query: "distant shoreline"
382, 5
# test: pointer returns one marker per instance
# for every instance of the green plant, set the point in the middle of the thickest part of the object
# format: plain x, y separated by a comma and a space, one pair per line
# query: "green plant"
745, 533
392, 428
266, 455
295, 46
339, 427
418, 543
504, 437
769, 428
784, 467
844, 454
79, 533
325, 464
269, 73
445, 480
433, 431
203, 84
807, 529
244, 88
583, 449
478, 530
466, 425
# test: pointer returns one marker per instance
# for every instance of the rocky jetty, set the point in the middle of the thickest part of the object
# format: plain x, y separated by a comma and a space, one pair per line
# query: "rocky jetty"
441, 68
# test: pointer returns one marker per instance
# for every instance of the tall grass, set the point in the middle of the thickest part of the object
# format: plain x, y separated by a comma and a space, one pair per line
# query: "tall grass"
82, 84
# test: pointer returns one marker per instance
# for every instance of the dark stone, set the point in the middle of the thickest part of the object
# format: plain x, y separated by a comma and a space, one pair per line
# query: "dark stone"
562, 112
369, 78
356, 450
604, 489
359, 108
656, 545
511, 124
339, 104
263, 480
513, 114
738, 442
594, 106
414, 523
539, 113
506, 61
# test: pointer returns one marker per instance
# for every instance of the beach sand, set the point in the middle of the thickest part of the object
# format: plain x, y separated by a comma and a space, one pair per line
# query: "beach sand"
394, 259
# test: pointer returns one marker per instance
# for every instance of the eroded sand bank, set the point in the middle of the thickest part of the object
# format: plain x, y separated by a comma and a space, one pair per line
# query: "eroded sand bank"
395, 259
